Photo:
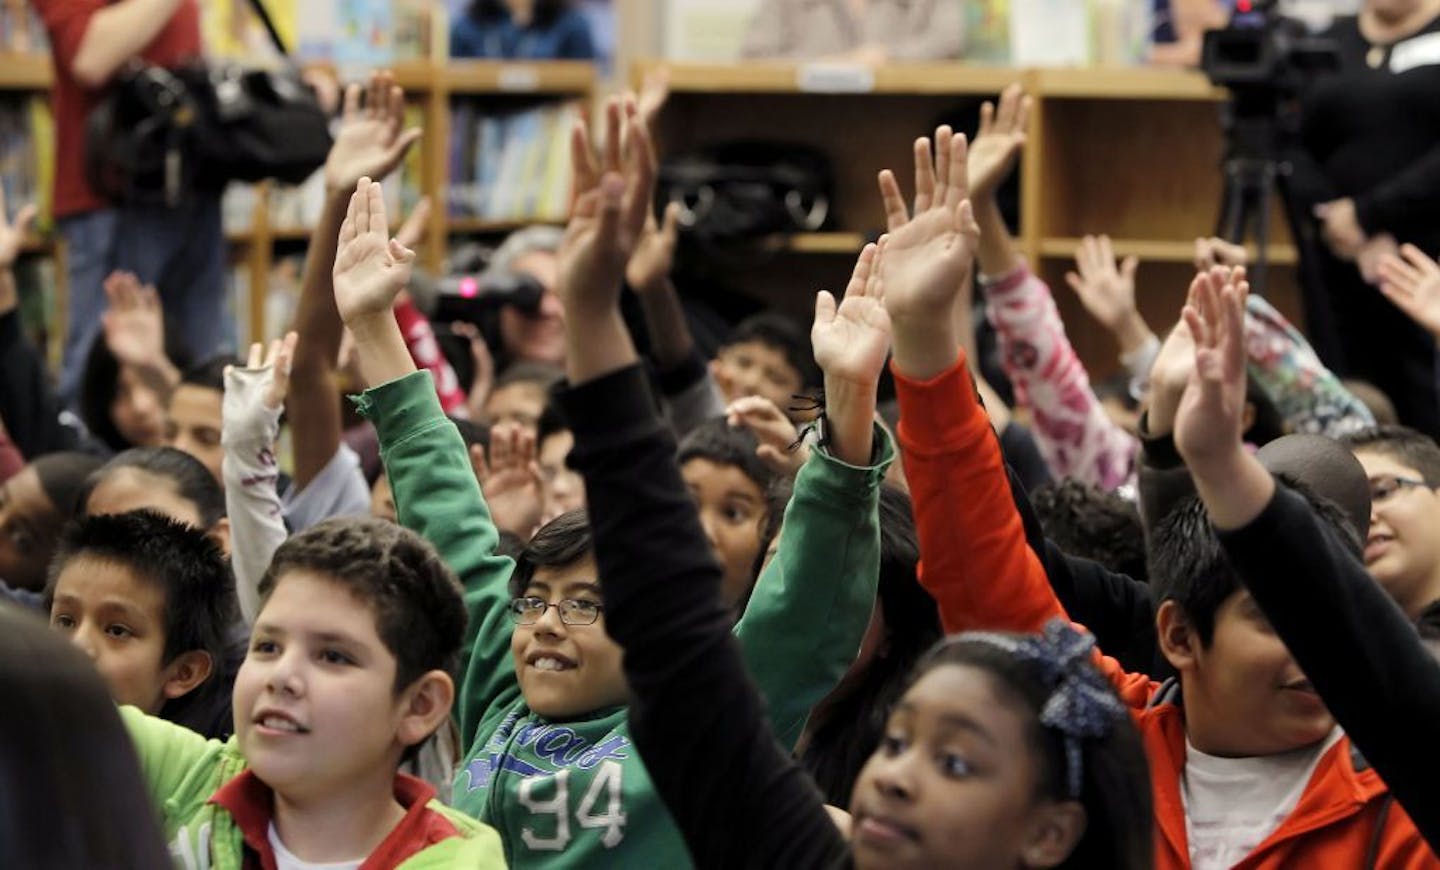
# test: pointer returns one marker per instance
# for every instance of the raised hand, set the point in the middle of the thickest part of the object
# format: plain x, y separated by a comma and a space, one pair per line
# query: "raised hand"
613, 195
134, 324
775, 432
1170, 372
1108, 291
852, 339
1412, 282
370, 267
370, 142
999, 141
276, 362
650, 265
512, 482
412, 230
1215, 251
12, 233
931, 251
1210, 420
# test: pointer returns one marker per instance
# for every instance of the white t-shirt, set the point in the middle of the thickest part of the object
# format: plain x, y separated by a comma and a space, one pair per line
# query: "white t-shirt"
286, 860
1233, 804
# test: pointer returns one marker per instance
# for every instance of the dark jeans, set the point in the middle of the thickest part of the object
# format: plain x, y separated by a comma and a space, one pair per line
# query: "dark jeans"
181, 251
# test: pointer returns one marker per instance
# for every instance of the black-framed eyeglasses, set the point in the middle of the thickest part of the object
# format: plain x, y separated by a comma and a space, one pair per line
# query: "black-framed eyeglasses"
1387, 486
528, 610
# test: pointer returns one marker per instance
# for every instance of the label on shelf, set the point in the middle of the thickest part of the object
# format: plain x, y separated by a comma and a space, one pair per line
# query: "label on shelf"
518, 78
835, 78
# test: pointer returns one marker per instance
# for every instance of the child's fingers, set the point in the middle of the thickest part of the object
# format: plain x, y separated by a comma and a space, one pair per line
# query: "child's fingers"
254, 360
824, 308
944, 155
924, 174
375, 202
477, 462
611, 147
1417, 259
860, 276
896, 215
957, 190
987, 118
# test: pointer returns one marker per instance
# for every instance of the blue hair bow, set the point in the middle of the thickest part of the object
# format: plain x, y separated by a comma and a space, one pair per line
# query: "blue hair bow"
1082, 705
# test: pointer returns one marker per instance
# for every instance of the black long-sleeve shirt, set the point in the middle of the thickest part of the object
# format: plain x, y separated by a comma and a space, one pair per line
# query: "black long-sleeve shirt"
1353, 642
1375, 131
695, 716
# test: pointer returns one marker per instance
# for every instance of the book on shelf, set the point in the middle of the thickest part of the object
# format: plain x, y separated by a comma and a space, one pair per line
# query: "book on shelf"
21, 31
509, 165
27, 153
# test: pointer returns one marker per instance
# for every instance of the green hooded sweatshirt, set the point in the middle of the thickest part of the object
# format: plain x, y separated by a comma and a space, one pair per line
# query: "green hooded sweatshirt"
574, 793
184, 770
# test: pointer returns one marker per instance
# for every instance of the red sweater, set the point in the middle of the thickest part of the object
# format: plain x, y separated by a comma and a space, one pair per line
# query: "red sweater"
66, 22
982, 575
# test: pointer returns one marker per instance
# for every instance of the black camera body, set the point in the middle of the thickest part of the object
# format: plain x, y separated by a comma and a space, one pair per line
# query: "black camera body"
1264, 57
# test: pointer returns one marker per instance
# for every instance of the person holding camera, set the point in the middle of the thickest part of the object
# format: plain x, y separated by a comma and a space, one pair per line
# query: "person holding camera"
1373, 132
179, 249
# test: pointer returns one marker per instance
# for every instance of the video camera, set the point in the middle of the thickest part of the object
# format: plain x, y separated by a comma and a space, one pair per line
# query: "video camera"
475, 298
1264, 57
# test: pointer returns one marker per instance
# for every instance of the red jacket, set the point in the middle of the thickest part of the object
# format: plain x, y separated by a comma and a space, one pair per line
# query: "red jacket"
982, 574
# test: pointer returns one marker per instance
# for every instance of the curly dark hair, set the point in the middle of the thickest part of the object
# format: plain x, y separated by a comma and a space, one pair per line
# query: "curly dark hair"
1086, 521
417, 601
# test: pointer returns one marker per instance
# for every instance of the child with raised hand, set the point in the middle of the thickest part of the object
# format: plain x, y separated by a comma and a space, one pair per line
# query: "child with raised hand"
370, 143
543, 711
1352, 641
917, 803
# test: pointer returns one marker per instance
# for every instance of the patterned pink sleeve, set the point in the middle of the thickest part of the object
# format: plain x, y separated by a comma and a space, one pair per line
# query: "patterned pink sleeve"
1074, 434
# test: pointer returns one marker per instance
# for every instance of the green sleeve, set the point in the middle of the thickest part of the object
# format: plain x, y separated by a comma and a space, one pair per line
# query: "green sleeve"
811, 606
177, 763
437, 496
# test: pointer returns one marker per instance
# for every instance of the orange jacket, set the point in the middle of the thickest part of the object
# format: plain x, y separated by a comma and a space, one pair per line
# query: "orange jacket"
983, 575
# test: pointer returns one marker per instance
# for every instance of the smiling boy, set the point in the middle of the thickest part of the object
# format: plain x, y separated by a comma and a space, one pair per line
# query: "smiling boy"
348, 672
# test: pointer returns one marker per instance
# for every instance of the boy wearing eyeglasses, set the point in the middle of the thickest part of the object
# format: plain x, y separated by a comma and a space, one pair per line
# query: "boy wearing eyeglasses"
1402, 551
547, 755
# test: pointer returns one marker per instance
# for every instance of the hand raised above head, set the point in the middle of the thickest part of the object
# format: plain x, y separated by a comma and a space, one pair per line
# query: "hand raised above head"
1210, 420
370, 267
371, 140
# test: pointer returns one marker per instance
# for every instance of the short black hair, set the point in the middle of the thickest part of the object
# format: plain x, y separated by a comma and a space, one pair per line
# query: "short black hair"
416, 600
723, 444
775, 330
63, 477
472, 433
192, 480
210, 373
1188, 565
559, 543
1410, 448
200, 605
1084, 520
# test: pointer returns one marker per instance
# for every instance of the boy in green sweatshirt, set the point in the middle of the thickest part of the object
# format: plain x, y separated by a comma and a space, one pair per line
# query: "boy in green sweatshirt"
347, 673
543, 719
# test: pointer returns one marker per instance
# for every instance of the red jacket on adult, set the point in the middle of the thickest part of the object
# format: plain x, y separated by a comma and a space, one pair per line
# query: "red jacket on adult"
66, 22
983, 575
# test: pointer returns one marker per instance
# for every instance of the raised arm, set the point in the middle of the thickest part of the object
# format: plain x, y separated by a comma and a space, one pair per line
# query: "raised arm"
718, 774
807, 617
1351, 640
254, 398
1072, 430
369, 144
976, 562
430, 474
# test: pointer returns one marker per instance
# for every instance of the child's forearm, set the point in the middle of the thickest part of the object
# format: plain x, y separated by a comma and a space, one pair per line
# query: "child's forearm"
251, 500
315, 407
850, 417
597, 344
996, 253
380, 349
670, 338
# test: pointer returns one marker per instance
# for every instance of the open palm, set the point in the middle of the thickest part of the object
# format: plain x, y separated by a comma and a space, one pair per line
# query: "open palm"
1412, 282
930, 254
852, 339
370, 268
370, 142
999, 141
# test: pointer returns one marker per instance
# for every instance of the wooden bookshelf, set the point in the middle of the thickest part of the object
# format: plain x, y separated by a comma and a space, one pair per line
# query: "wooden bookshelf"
1134, 153
432, 85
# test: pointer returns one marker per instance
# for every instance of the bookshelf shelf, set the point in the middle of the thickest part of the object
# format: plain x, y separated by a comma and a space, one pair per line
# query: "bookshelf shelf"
24, 72
842, 244
1120, 83
831, 78
553, 78
1149, 250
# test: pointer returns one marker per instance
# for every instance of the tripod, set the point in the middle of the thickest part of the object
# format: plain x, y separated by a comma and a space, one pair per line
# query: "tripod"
1254, 172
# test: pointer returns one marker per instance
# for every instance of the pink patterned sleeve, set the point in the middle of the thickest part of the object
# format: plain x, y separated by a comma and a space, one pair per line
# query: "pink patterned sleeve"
1075, 435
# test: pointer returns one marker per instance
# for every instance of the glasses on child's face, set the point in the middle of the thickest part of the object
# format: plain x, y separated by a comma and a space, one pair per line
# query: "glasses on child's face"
573, 611
1387, 486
